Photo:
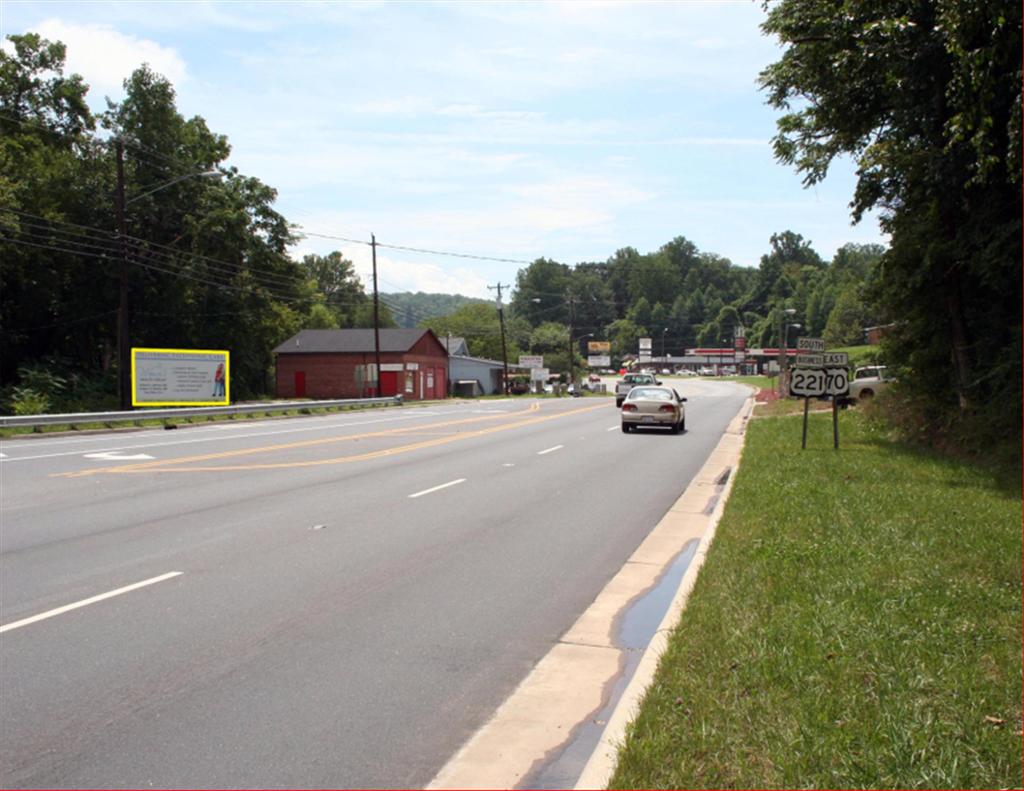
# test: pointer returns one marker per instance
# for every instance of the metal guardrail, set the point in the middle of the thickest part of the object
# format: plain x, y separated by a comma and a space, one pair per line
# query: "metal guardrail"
78, 418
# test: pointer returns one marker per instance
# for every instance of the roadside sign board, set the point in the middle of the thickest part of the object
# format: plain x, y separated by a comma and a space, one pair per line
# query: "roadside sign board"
645, 345
835, 359
539, 374
531, 360
813, 345
810, 361
837, 381
599, 347
599, 361
808, 382
180, 377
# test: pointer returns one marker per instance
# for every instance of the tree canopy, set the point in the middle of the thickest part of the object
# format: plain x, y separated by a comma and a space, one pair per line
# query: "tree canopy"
925, 96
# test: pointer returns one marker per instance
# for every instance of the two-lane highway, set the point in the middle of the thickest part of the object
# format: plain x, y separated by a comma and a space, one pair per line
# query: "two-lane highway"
319, 602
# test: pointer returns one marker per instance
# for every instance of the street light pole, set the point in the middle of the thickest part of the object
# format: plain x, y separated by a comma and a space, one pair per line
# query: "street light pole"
663, 359
124, 363
784, 352
124, 382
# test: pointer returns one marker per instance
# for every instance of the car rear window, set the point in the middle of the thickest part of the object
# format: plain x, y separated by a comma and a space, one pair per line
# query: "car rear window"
652, 393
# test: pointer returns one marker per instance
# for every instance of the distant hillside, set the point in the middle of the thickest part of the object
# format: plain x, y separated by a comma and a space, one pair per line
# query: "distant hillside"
410, 309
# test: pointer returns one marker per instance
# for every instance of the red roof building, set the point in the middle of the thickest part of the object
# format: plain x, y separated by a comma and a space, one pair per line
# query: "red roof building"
329, 364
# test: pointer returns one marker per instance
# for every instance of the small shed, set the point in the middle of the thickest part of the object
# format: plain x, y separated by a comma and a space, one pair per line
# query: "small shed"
325, 364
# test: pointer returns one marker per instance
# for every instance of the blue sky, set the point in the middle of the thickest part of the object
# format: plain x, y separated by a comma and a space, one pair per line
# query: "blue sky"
562, 129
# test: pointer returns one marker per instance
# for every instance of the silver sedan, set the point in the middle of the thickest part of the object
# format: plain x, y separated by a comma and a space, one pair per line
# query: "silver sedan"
653, 406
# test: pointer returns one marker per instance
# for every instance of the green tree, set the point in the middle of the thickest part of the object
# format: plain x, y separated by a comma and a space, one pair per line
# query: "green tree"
655, 279
334, 277
925, 97
845, 326
541, 292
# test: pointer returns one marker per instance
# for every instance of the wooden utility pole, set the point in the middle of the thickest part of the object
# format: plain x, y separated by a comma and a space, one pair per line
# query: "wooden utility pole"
572, 321
376, 313
501, 323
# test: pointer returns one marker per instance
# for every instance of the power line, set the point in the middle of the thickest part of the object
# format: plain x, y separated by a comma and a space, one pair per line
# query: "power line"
446, 253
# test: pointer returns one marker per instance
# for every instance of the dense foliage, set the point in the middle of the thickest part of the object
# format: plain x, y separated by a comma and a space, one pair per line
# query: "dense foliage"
208, 264
926, 96
207, 261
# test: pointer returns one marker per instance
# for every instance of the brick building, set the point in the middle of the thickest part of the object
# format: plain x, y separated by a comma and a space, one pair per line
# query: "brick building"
325, 364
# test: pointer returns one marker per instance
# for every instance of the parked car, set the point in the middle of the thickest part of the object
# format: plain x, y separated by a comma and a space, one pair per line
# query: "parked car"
867, 382
687, 372
653, 406
593, 378
706, 371
629, 381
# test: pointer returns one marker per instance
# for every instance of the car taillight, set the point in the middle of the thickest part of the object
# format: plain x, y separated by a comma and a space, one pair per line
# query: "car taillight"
666, 408
629, 407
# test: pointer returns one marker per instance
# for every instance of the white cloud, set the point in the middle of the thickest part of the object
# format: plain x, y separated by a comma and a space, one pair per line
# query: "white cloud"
105, 58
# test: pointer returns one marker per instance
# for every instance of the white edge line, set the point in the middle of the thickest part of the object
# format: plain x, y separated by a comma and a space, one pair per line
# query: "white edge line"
550, 450
438, 488
84, 602
613, 428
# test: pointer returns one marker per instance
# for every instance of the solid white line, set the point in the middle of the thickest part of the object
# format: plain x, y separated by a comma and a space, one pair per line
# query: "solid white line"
84, 602
438, 488
613, 428
220, 438
550, 450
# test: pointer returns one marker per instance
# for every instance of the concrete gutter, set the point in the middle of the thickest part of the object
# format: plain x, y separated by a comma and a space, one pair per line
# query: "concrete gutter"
574, 680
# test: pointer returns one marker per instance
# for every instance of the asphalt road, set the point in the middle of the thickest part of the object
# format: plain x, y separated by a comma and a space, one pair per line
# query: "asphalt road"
329, 601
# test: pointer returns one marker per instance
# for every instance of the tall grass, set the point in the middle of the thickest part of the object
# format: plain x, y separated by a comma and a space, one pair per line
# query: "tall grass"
857, 624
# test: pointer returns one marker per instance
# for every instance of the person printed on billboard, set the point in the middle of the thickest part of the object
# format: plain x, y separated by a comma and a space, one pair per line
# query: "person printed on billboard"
218, 382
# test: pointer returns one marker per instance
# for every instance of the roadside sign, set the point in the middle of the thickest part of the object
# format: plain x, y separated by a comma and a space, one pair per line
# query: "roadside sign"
180, 377
645, 345
808, 382
816, 345
810, 361
539, 374
835, 359
531, 360
599, 361
837, 381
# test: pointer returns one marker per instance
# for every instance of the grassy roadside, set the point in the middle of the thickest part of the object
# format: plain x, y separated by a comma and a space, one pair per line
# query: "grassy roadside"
857, 624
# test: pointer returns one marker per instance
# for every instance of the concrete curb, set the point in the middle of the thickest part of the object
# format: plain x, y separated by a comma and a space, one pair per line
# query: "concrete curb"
573, 680
599, 769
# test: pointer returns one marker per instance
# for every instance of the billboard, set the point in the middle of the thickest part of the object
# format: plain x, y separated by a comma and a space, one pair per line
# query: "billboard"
599, 361
180, 377
599, 347
531, 360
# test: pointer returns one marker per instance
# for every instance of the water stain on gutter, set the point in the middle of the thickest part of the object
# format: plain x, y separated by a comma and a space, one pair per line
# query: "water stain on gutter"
634, 627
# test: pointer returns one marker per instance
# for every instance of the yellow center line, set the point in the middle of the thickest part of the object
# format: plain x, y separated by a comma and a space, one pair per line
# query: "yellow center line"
175, 465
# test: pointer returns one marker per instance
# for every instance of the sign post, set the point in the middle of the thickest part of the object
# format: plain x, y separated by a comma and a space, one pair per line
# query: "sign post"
839, 385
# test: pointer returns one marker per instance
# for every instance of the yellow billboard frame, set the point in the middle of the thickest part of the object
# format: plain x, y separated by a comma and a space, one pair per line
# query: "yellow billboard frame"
227, 378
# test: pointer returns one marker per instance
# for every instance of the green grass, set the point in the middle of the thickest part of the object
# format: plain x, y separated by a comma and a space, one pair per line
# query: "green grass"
857, 624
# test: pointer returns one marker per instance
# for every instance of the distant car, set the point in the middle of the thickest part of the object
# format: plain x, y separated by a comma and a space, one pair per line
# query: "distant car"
729, 371
687, 372
868, 382
593, 378
653, 406
666, 370
706, 371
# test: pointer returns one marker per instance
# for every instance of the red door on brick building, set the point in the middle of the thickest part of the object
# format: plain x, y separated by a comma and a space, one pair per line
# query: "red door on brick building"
300, 384
388, 383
